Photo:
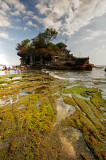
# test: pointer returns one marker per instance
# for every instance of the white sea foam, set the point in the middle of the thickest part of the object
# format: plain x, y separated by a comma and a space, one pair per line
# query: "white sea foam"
95, 78
53, 74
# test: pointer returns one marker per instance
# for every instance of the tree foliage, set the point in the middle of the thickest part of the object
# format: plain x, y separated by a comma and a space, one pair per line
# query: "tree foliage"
23, 46
61, 45
46, 36
26, 42
41, 46
50, 34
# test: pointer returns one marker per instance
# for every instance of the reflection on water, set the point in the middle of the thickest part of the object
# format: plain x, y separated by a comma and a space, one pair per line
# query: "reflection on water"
71, 86
104, 93
11, 100
3, 84
21, 107
2, 102
15, 78
16, 81
10, 72
86, 98
38, 104
25, 93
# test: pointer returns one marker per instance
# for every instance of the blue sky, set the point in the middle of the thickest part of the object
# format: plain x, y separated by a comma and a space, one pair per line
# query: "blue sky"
81, 24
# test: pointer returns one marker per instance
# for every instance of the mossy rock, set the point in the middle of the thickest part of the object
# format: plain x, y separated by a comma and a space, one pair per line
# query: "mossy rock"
82, 91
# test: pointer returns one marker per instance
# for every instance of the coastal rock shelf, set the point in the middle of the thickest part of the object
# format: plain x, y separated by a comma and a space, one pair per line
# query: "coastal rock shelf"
45, 118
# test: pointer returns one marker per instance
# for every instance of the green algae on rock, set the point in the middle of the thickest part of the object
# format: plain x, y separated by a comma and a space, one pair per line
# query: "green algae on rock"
27, 129
88, 117
24, 129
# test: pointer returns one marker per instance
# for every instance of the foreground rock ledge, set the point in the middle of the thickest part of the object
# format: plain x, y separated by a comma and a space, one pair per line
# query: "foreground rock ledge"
29, 123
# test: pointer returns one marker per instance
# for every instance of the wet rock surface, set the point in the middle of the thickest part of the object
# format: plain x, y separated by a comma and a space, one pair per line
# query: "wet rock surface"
63, 110
73, 143
47, 118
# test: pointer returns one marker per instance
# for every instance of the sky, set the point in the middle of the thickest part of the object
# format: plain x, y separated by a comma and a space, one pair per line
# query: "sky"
81, 24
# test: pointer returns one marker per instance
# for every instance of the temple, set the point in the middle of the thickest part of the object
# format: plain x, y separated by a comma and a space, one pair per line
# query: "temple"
61, 60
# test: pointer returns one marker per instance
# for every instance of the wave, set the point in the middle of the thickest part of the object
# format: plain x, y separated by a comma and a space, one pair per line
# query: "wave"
53, 74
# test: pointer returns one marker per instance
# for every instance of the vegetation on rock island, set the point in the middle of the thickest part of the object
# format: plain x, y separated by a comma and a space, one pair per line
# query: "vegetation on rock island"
40, 52
41, 46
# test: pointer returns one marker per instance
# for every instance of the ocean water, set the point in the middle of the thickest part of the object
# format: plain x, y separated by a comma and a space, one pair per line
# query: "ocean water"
2, 72
95, 78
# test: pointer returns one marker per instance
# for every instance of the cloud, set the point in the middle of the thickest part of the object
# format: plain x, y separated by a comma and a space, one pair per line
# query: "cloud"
15, 13
3, 59
31, 24
94, 34
4, 21
5, 36
4, 6
17, 5
18, 27
43, 9
8, 9
69, 16
25, 28
26, 17
14, 8
18, 20
37, 18
2, 13
30, 13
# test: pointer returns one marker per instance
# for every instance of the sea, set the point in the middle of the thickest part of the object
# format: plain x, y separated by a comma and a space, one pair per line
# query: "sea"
95, 78
12, 71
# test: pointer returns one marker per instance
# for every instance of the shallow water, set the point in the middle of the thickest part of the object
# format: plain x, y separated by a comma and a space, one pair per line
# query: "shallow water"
70, 86
21, 107
94, 78
2, 103
15, 78
64, 110
10, 72
38, 104
86, 98
16, 81
25, 93
3, 84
